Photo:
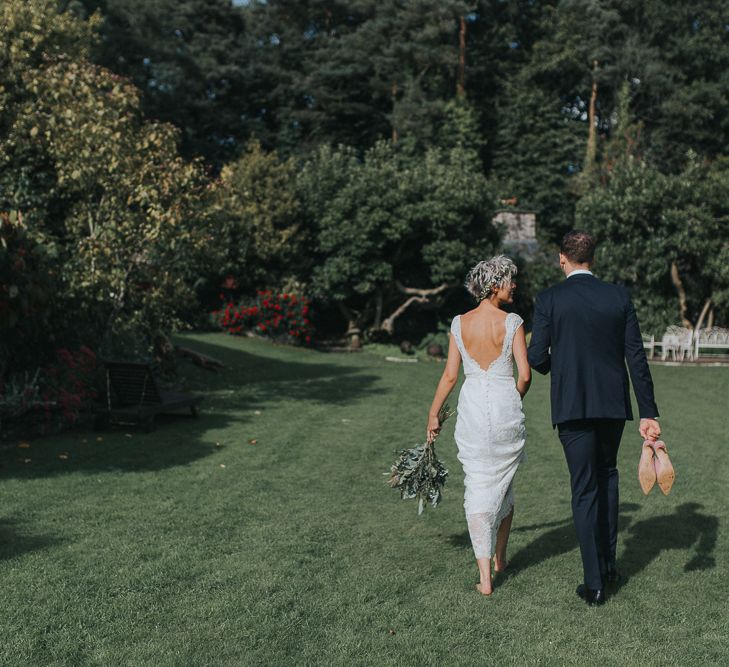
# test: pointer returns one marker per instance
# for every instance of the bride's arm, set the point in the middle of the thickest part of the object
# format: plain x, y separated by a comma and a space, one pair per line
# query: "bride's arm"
445, 386
522, 363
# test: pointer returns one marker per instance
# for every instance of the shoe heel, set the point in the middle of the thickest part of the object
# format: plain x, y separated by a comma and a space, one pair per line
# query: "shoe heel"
665, 474
646, 469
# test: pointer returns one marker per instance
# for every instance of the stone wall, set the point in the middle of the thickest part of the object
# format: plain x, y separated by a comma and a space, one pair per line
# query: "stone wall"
520, 230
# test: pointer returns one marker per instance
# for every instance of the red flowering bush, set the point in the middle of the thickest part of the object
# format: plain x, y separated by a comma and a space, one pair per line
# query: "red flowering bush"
281, 317
52, 398
67, 387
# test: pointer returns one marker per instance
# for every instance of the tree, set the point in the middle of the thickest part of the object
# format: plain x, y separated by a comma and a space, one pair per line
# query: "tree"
666, 237
122, 216
394, 229
680, 86
357, 72
193, 61
257, 212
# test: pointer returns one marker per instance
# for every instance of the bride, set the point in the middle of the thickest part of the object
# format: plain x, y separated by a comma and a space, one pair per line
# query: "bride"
490, 430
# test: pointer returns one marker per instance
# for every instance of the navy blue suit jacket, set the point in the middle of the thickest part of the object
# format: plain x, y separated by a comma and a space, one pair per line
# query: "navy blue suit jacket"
584, 332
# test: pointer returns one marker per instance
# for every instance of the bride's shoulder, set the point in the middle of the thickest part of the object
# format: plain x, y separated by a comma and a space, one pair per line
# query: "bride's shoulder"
516, 319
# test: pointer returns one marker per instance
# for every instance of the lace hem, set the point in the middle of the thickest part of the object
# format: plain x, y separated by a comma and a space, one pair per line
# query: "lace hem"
483, 526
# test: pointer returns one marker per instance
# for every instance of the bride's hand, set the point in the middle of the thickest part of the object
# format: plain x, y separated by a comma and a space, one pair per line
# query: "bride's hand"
433, 428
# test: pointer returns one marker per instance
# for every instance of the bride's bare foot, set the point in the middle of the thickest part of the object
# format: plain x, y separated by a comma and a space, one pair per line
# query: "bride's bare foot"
485, 586
485, 589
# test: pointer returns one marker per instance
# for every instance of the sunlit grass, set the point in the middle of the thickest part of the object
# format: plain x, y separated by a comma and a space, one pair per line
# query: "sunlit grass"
191, 546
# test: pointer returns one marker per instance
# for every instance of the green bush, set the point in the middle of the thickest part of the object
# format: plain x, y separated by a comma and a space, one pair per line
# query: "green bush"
666, 237
125, 225
393, 229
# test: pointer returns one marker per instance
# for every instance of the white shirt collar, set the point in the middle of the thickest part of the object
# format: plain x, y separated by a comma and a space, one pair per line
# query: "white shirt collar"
577, 272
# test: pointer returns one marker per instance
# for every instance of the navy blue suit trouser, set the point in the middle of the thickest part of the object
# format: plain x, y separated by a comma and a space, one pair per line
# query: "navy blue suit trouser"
591, 449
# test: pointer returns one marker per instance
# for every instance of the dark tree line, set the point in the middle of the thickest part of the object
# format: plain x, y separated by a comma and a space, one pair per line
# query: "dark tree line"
405, 124
300, 73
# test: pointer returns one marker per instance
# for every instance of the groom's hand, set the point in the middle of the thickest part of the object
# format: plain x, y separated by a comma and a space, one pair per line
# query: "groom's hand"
649, 429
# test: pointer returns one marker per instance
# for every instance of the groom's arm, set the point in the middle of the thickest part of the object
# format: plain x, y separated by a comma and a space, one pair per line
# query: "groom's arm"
640, 374
538, 353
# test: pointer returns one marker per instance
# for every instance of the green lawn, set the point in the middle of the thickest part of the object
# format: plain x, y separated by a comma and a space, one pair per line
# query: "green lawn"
190, 546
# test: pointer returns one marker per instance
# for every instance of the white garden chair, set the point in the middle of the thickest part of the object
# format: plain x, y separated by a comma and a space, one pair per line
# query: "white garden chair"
678, 343
650, 345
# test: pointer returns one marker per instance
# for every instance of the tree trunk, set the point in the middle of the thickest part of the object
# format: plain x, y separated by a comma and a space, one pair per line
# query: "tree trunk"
710, 322
378, 308
395, 133
354, 332
591, 150
389, 324
461, 78
704, 310
682, 306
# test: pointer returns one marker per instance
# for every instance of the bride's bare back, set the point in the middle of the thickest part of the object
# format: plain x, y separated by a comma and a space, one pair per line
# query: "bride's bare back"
482, 332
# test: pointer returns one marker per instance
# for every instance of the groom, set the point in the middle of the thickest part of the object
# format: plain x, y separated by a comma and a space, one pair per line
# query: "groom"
584, 332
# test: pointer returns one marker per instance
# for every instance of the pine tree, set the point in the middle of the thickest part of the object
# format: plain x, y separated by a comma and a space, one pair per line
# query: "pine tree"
192, 60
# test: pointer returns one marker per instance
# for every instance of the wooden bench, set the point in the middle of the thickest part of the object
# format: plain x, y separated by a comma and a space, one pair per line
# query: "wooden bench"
132, 395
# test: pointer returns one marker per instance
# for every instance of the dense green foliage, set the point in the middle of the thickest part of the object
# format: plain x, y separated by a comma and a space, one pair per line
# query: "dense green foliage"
388, 223
144, 550
648, 222
193, 60
300, 76
258, 213
350, 151
115, 221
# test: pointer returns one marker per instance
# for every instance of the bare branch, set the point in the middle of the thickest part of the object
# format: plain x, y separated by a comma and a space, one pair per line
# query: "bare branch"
389, 323
423, 292
416, 296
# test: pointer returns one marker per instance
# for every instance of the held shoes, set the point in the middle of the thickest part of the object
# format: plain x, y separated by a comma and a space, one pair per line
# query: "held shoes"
646, 469
665, 474
655, 466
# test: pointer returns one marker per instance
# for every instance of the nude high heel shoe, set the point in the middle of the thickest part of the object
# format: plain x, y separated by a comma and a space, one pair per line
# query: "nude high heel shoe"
665, 474
646, 469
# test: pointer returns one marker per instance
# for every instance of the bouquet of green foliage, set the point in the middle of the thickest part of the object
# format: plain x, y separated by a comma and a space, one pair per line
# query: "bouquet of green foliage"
418, 473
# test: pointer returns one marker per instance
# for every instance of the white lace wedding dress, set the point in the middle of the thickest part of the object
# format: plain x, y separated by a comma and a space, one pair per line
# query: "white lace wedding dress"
490, 435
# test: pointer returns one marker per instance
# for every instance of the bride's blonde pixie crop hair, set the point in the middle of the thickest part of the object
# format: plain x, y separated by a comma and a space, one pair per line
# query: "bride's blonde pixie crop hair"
489, 275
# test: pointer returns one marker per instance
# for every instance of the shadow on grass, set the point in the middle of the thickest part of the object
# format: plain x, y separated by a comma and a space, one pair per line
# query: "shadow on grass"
176, 441
267, 377
15, 543
249, 381
686, 529
561, 539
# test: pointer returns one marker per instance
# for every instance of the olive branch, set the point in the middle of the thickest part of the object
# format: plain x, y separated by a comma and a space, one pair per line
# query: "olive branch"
418, 473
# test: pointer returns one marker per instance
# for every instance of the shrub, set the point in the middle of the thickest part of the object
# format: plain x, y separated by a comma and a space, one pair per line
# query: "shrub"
282, 317
68, 386
52, 398
121, 223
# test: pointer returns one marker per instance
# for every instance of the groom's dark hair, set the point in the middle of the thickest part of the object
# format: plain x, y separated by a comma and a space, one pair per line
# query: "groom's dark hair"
578, 247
